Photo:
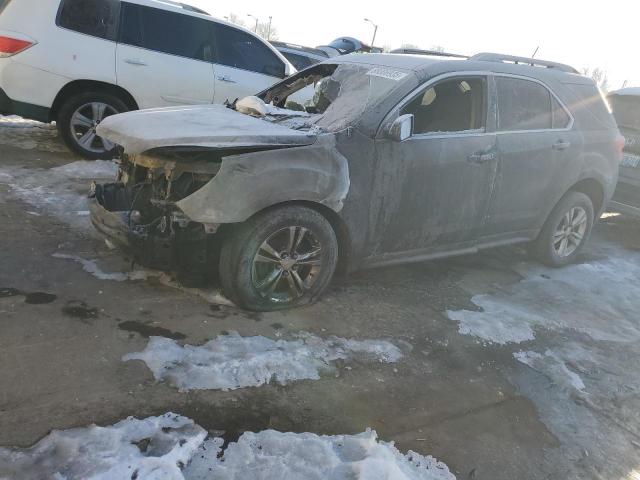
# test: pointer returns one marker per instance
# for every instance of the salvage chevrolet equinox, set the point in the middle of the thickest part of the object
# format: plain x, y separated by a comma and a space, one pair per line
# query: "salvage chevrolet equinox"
395, 159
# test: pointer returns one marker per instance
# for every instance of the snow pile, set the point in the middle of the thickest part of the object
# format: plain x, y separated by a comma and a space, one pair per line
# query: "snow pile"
231, 361
597, 298
154, 448
554, 367
29, 134
305, 456
60, 191
172, 447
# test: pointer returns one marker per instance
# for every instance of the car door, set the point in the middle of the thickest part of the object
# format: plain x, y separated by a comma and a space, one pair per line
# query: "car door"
244, 65
433, 188
164, 58
534, 142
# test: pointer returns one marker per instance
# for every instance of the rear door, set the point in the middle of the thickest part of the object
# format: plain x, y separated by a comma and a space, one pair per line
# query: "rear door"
244, 65
535, 143
164, 58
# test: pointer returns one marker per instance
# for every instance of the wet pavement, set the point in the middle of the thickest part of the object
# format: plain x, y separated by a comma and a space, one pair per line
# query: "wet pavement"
561, 405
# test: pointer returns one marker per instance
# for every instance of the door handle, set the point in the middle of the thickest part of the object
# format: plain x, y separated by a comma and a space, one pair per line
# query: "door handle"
481, 157
137, 63
224, 78
561, 145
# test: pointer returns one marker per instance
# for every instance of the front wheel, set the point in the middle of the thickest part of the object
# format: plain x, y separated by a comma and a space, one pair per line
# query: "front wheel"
280, 259
566, 231
79, 117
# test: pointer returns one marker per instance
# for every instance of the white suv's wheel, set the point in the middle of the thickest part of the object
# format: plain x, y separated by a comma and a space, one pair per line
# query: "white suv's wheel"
79, 117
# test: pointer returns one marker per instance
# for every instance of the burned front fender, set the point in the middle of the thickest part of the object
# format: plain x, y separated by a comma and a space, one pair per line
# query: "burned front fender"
251, 182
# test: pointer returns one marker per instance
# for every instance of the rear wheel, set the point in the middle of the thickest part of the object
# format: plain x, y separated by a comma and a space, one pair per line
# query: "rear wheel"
280, 259
79, 117
566, 231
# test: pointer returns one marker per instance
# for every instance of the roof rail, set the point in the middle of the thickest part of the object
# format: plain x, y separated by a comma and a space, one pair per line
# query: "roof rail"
435, 53
533, 62
184, 6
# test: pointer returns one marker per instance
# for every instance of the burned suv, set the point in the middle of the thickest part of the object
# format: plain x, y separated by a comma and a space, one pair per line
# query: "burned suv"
395, 159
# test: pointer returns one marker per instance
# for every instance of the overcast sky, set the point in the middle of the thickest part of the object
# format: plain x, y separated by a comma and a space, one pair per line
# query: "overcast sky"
580, 33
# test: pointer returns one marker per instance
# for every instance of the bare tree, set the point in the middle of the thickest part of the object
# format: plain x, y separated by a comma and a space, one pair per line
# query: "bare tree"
599, 76
268, 32
437, 48
235, 18
410, 46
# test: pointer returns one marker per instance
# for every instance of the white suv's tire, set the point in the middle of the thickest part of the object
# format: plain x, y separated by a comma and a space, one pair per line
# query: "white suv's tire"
78, 118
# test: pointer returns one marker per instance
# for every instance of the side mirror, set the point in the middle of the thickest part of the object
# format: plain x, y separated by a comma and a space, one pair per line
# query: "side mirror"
401, 128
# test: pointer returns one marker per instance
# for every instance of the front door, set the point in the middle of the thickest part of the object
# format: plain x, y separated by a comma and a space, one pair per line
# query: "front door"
164, 58
434, 188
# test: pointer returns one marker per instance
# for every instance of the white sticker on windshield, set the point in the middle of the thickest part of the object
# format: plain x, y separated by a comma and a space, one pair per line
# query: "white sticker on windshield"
389, 73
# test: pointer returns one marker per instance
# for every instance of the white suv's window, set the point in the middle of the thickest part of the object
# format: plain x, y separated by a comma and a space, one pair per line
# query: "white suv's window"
166, 32
522, 105
98, 18
238, 49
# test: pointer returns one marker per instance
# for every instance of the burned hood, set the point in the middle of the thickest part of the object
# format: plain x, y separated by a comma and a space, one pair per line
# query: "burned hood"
210, 126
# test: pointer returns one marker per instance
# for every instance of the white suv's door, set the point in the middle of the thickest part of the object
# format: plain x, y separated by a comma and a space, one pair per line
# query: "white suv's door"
164, 58
244, 65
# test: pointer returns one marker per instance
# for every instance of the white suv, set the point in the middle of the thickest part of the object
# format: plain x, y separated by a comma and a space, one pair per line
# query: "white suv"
78, 61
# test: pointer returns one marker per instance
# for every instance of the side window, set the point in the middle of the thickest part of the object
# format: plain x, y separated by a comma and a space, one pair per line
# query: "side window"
98, 18
299, 61
166, 32
561, 118
453, 105
237, 49
522, 105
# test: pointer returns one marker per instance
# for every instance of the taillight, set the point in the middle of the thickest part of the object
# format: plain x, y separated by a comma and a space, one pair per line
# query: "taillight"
10, 46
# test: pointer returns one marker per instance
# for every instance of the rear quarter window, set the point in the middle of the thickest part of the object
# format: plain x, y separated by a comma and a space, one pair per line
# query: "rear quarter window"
98, 18
589, 107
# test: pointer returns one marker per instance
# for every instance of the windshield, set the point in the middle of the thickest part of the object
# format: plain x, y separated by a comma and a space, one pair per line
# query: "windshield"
626, 110
335, 96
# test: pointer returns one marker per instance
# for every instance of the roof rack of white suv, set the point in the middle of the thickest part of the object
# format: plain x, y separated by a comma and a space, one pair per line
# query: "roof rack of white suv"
184, 6
533, 62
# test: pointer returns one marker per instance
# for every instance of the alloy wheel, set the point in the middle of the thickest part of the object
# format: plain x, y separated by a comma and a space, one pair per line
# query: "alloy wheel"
570, 232
84, 122
287, 264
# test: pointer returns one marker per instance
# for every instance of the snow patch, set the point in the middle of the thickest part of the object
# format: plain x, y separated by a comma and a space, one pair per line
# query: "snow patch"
552, 365
151, 449
29, 135
92, 267
60, 191
230, 361
599, 298
172, 447
306, 456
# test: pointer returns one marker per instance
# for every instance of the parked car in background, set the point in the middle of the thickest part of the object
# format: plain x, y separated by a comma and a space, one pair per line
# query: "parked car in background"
344, 46
625, 105
77, 62
299, 56
397, 158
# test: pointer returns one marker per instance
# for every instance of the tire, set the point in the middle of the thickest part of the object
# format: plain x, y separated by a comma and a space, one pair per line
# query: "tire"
242, 272
82, 103
572, 204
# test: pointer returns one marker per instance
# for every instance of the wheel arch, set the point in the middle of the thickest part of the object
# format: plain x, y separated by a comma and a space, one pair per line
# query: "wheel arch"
80, 86
593, 189
335, 220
